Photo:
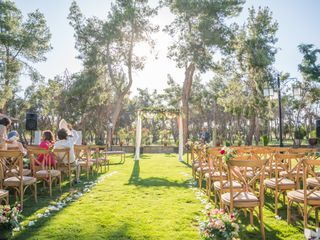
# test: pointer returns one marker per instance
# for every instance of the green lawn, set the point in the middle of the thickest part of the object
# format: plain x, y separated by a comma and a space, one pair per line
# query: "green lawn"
146, 199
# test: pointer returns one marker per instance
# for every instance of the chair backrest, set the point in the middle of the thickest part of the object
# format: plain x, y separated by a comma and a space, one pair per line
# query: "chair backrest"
62, 156
290, 163
81, 151
308, 170
200, 153
12, 164
213, 155
235, 174
34, 155
197, 152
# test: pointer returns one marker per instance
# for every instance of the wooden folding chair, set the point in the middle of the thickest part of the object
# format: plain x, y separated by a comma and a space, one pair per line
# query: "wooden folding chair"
203, 167
99, 156
62, 156
308, 196
196, 153
247, 197
221, 184
12, 166
292, 164
82, 153
43, 170
214, 172
281, 184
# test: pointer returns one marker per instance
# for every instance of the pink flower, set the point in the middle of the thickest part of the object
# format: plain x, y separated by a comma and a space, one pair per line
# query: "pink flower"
215, 211
221, 211
222, 151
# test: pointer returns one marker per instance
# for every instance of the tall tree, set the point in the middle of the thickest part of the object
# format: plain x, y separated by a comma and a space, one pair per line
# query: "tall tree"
199, 30
254, 57
21, 42
310, 66
114, 41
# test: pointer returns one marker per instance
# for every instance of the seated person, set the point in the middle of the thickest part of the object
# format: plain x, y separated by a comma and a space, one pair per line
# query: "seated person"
47, 143
66, 141
13, 142
5, 123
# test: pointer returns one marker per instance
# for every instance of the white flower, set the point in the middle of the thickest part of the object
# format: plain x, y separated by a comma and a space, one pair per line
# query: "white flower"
16, 229
53, 208
278, 217
39, 215
31, 223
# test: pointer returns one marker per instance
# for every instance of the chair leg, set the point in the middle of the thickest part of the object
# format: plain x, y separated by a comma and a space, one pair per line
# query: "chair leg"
50, 187
276, 197
60, 180
88, 169
70, 180
21, 196
251, 217
35, 192
200, 180
289, 211
261, 223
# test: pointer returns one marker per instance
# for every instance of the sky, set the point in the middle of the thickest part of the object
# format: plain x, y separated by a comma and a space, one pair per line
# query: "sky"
298, 23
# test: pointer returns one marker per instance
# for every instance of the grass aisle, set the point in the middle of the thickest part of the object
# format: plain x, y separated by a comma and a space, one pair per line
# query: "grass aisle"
146, 199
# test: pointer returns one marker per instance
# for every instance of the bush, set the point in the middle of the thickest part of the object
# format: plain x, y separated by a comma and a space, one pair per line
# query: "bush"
264, 140
300, 133
313, 134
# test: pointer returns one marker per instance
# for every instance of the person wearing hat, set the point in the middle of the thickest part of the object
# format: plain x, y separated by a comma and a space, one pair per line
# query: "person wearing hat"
13, 142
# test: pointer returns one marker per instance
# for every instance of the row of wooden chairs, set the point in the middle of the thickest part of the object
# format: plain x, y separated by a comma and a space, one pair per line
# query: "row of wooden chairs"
13, 175
278, 169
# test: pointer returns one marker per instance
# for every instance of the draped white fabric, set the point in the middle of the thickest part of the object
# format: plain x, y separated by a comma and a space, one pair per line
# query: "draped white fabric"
138, 137
180, 138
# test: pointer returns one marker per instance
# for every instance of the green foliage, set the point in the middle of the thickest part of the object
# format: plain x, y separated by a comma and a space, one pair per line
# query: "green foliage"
20, 42
310, 66
200, 28
313, 134
300, 133
264, 140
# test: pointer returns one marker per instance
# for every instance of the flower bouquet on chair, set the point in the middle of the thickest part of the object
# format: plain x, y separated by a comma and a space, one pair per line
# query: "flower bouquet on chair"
219, 225
9, 220
227, 153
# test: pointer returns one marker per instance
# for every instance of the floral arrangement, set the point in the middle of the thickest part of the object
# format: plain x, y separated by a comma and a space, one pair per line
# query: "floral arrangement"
219, 225
227, 153
10, 216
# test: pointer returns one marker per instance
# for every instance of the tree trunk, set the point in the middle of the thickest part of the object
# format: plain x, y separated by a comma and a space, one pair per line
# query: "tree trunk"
185, 99
115, 117
251, 130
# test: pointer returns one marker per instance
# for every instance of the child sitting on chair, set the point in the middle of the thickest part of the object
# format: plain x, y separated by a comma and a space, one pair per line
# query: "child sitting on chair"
67, 141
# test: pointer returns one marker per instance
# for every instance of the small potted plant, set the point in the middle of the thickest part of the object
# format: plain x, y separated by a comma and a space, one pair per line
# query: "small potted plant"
313, 138
9, 219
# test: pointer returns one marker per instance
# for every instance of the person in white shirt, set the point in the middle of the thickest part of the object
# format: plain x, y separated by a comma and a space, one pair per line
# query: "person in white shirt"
66, 141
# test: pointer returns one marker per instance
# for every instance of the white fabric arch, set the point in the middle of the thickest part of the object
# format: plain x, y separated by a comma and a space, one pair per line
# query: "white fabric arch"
138, 137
